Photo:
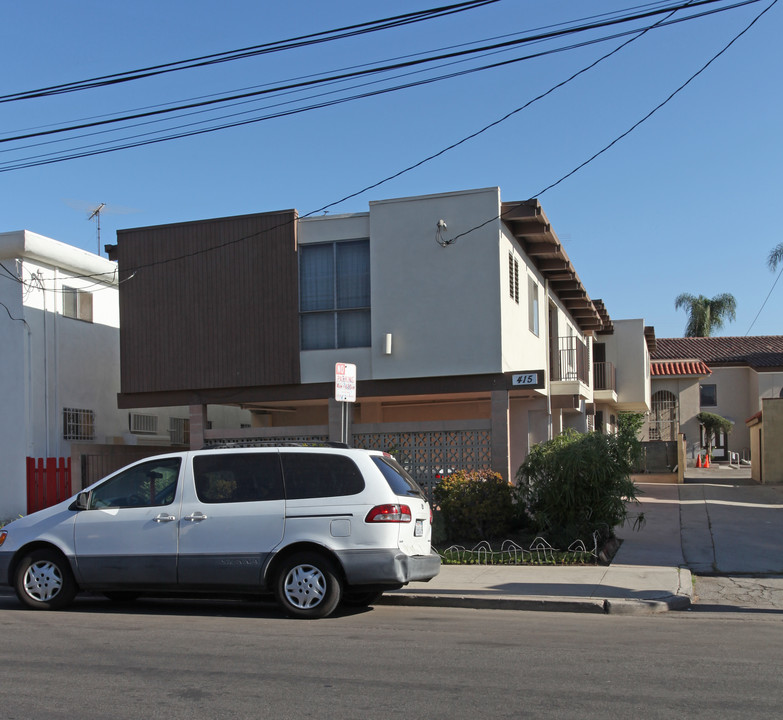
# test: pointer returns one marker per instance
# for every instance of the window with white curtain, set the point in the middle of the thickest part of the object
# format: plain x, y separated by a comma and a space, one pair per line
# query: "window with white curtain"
532, 305
334, 295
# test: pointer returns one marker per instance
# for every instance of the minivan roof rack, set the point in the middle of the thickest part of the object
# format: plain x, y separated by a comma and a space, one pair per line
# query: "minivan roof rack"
274, 443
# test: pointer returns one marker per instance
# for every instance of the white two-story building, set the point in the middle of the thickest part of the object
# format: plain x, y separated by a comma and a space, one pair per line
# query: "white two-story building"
60, 357
472, 335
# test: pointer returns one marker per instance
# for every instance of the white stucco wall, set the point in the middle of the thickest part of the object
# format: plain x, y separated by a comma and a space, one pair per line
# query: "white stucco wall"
13, 339
440, 304
627, 349
51, 362
521, 349
736, 401
769, 384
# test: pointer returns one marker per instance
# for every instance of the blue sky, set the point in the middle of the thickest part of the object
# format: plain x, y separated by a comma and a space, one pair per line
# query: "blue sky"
688, 202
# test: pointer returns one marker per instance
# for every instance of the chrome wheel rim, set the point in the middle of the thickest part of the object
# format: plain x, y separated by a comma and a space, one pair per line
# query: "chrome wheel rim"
305, 586
43, 580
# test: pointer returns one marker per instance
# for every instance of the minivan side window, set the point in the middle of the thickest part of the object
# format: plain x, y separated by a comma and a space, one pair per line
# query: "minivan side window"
316, 475
238, 477
148, 484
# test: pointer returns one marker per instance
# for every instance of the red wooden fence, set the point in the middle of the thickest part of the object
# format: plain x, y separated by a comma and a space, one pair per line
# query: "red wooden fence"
48, 482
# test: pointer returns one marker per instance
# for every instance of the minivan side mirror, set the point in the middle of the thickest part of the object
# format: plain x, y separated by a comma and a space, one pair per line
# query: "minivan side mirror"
82, 501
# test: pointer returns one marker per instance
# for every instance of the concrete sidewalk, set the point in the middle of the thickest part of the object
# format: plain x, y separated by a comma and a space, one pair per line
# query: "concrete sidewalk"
719, 521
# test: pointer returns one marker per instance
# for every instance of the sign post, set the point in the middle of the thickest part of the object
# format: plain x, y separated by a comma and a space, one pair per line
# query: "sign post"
344, 392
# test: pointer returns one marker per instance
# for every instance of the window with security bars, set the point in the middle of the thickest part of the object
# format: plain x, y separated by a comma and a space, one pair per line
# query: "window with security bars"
78, 424
141, 424
664, 416
179, 430
77, 304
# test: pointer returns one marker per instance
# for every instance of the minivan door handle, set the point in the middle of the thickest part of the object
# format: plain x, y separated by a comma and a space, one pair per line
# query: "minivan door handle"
195, 517
164, 518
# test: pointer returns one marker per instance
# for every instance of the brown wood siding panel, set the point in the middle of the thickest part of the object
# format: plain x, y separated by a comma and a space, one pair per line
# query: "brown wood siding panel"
211, 304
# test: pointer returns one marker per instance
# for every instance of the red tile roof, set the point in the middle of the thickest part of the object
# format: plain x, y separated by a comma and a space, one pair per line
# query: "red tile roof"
659, 368
761, 351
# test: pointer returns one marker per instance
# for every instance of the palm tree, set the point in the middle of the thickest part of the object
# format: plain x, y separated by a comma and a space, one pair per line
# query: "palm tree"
775, 257
706, 314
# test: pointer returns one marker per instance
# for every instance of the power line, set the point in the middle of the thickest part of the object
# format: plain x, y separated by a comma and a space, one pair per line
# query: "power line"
360, 73
124, 143
579, 167
419, 54
463, 140
204, 60
638, 123
765, 301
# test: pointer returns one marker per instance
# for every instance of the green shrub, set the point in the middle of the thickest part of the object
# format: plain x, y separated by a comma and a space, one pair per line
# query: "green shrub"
476, 505
575, 485
629, 426
713, 425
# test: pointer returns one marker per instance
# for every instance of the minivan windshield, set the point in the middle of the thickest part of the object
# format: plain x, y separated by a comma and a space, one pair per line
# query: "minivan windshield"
399, 481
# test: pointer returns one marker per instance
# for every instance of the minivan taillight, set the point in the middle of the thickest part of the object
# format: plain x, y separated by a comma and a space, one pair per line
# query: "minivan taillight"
389, 513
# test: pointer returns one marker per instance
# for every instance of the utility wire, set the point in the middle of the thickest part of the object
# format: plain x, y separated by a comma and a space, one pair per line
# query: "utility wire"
764, 303
135, 269
259, 119
204, 60
352, 67
364, 72
61, 156
638, 123
441, 152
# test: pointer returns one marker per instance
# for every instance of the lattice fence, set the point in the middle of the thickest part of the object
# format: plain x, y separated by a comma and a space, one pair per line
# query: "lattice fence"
429, 455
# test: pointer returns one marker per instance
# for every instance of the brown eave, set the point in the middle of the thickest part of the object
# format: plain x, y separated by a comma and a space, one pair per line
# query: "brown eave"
530, 226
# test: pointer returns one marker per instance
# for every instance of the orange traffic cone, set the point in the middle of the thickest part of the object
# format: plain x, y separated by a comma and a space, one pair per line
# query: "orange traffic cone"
698, 460
706, 461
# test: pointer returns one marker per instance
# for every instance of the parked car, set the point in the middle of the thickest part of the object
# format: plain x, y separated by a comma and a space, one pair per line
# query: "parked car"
313, 526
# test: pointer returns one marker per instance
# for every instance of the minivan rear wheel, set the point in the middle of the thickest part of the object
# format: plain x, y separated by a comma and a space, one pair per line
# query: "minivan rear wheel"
44, 581
308, 586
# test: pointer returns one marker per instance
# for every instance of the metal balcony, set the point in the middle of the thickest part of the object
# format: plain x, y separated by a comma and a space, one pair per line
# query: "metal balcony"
604, 376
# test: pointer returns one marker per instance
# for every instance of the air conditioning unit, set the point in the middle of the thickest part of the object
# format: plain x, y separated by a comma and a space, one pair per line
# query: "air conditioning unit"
141, 424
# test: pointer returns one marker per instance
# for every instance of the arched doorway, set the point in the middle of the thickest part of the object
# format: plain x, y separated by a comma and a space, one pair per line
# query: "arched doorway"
664, 416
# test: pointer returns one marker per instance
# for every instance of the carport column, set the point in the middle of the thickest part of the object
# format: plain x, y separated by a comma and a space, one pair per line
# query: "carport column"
336, 419
198, 423
499, 433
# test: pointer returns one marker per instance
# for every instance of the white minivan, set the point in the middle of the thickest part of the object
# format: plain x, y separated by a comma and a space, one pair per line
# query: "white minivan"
313, 526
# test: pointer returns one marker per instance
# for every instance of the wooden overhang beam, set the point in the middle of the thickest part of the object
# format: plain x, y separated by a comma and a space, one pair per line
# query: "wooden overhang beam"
523, 210
585, 312
545, 249
649, 336
608, 327
530, 226
549, 264
578, 304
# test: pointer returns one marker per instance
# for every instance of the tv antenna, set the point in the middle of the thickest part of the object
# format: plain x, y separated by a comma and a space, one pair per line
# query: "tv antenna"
96, 213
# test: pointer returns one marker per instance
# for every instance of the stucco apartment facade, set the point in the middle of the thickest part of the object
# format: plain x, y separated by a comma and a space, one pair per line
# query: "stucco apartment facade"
472, 334
728, 376
60, 354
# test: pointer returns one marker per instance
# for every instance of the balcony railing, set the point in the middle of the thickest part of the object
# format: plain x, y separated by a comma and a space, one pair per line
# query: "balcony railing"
570, 359
604, 377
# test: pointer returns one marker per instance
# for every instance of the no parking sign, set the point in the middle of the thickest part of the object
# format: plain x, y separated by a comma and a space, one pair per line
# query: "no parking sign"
345, 382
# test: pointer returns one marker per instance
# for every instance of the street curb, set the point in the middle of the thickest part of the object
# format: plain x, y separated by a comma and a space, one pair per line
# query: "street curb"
494, 603
623, 606
607, 606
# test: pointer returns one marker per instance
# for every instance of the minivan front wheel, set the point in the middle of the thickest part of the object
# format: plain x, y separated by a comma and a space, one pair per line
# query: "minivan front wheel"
307, 586
44, 581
